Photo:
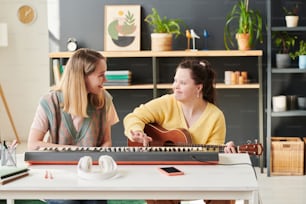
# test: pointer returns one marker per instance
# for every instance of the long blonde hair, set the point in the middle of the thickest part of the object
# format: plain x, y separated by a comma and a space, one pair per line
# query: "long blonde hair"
72, 83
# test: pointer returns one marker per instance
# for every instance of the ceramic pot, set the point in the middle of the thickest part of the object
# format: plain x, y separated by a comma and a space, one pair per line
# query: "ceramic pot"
282, 60
161, 41
302, 61
301, 101
292, 21
243, 41
291, 102
279, 103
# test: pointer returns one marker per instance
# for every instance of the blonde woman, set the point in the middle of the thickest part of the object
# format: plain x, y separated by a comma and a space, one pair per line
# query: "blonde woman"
77, 111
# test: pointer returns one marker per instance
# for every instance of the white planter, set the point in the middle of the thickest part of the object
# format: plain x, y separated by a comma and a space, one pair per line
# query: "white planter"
292, 21
161, 41
302, 61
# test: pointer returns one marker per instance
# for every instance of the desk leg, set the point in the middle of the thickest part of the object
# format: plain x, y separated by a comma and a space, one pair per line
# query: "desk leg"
10, 201
254, 200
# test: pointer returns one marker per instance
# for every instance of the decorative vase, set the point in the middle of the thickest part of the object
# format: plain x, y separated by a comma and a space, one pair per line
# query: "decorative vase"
243, 41
161, 41
302, 61
292, 21
282, 60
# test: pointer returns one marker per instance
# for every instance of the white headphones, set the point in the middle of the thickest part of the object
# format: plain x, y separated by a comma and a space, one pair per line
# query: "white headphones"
107, 168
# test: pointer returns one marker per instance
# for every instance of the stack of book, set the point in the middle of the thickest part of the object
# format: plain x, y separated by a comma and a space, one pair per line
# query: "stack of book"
118, 78
11, 173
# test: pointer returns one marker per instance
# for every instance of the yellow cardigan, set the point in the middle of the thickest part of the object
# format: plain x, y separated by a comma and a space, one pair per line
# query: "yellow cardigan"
167, 112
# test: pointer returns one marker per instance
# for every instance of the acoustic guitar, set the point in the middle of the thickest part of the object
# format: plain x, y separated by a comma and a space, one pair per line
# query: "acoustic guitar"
181, 137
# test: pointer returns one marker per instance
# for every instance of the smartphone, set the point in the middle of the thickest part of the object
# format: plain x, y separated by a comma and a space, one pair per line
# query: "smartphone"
171, 171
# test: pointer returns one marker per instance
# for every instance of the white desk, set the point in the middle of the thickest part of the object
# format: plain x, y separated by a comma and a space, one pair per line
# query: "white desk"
214, 182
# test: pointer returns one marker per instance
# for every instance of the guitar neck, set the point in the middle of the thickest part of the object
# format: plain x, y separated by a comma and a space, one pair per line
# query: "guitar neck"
253, 149
203, 147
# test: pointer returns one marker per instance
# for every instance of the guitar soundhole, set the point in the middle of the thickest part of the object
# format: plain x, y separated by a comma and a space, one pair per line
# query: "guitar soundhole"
168, 143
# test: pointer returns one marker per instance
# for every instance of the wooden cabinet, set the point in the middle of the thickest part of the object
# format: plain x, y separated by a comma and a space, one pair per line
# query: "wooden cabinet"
283, 81
155, 67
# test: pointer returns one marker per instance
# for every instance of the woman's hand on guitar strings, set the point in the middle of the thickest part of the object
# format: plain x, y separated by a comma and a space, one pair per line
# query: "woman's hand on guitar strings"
141, 137
230, 147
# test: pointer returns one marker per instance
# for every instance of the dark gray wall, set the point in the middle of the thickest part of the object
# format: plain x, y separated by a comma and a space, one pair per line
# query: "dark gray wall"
84, 20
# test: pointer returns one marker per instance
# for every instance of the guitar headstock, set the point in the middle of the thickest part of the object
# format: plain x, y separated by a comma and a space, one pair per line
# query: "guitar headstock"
252, 149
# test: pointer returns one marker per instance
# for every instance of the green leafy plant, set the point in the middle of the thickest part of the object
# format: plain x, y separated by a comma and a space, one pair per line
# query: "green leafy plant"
163, 24
284, 41
291, 12
300, 51
243, 20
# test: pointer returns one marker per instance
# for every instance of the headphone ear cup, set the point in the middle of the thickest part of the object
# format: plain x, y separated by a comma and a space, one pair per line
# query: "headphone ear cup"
85, 164
107, 164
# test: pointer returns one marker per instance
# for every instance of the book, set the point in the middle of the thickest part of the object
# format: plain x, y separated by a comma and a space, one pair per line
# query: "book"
118, 72
9, 171
13, 178
117, 77
117, 83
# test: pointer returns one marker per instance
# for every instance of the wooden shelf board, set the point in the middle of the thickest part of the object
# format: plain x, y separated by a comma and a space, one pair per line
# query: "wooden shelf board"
169, 86
175, 53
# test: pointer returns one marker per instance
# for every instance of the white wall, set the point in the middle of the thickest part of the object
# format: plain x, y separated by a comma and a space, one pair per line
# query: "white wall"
24, 66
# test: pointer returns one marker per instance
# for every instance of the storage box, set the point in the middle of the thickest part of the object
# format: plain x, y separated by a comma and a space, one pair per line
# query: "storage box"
287, 156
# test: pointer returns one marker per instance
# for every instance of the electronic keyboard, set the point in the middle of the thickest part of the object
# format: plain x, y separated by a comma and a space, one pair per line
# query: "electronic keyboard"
124, 155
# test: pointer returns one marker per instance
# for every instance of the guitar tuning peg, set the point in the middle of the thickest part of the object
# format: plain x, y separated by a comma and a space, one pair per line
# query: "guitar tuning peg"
249, 142
256, 141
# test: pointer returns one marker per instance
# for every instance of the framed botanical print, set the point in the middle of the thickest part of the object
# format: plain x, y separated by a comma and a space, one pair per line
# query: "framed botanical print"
122, 28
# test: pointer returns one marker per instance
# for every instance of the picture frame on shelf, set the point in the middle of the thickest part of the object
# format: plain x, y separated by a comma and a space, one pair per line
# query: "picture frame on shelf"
122, 27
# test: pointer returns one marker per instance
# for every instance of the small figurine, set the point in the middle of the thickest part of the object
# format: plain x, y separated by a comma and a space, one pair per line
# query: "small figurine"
188, 36
193, 35
205, 35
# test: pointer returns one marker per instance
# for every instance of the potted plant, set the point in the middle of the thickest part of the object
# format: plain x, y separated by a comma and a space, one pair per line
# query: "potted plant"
163, 30
301, 54
284, 41
291, 16
245, 24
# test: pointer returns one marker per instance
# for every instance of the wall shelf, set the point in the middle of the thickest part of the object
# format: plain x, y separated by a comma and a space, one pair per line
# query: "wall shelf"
274, 83
166, 54
283, 28
288, 70
291, 113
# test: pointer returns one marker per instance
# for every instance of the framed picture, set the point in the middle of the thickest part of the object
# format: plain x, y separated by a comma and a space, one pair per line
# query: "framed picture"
122, 28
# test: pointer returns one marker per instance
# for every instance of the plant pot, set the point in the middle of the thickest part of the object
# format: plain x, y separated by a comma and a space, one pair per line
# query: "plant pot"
161, 41
302, 61
292, 21
282, 60
243, 41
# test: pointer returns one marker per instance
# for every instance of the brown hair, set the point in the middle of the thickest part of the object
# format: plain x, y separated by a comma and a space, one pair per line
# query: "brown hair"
72, 84
202, 73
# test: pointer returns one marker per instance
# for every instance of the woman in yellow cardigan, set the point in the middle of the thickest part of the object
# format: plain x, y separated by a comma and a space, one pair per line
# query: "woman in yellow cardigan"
191, 106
